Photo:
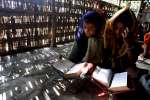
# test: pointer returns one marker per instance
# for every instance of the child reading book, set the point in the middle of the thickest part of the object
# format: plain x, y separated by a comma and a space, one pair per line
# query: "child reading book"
112, 81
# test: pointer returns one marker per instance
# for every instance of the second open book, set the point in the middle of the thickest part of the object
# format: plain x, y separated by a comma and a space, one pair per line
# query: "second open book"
112, 81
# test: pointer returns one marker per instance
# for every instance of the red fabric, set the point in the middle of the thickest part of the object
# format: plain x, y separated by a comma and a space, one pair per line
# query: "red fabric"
147, 42
147, 38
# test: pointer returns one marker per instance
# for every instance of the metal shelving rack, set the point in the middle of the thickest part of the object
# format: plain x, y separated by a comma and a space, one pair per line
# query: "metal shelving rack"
28, 24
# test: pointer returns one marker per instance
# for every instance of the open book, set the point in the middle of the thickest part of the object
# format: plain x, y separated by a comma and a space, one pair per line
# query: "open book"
115, 82
112, 81
77, 70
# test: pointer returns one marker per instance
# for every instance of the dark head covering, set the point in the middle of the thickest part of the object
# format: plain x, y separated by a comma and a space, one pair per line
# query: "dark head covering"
93, 17
124, 15
128, 19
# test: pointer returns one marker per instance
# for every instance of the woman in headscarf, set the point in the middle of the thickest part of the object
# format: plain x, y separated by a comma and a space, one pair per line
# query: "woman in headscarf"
120, 41
88, 38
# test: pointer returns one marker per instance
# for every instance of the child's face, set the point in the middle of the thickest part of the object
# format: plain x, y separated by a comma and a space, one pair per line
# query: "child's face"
89, 29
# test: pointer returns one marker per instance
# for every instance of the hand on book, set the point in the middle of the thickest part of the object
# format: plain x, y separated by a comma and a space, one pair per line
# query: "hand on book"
88, 67
80, 70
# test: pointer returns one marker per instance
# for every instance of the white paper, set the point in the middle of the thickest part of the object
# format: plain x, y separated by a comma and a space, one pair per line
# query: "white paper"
75, 68
102, 75
119, 80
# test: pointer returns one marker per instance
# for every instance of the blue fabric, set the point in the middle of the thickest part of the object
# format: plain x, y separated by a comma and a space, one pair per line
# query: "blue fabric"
92, 17
81, 43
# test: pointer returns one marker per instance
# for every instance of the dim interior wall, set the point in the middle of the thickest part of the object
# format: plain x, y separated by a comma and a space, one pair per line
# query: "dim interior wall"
28, 24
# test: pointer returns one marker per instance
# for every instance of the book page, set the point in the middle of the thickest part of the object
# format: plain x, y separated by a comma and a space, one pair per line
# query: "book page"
76, 68
102, 75
119, 82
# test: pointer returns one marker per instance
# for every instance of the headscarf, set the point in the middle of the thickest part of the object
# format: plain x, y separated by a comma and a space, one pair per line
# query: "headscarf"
93, 17
124, 15
127, 17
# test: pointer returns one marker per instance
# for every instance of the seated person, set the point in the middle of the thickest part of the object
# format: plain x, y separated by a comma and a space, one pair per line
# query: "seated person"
120, 41
88, 39
88, 43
